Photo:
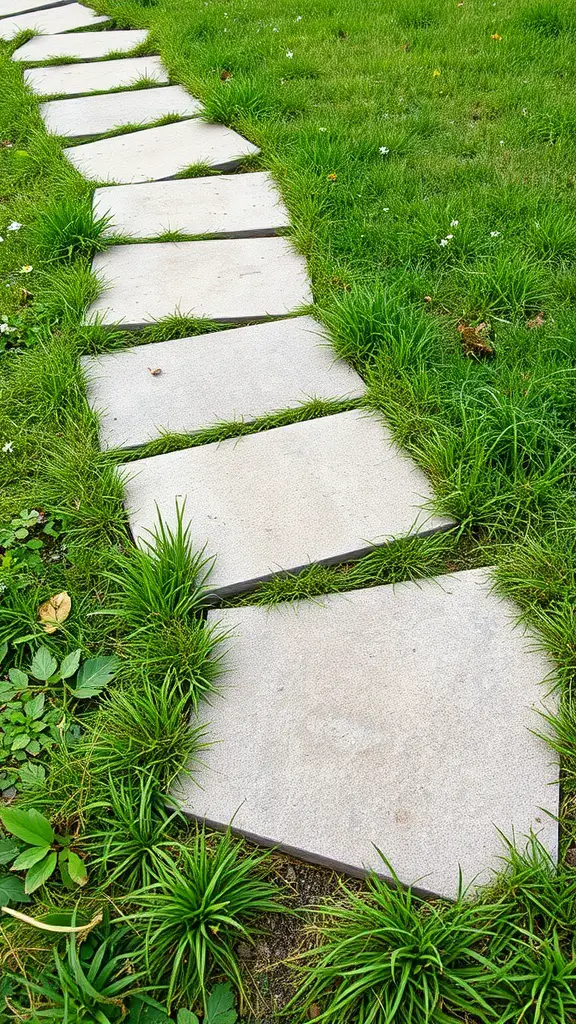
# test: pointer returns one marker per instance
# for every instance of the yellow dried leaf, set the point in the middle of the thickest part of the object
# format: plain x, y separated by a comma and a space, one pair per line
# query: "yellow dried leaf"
55, 611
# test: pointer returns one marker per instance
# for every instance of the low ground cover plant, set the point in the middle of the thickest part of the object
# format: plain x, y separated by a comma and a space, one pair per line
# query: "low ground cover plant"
426, 154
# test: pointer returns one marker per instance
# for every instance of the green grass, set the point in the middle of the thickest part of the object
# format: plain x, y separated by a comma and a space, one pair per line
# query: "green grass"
478, 130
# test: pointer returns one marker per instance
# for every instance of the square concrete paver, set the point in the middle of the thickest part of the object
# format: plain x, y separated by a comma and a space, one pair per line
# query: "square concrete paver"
396, 717
75, 79
227, 204
94, 115
157, 153
8, 7
80, 46
325, 490
224, 279
197, 382
51, 20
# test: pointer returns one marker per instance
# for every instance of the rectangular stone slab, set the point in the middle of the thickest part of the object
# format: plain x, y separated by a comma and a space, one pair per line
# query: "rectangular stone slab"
197, 382
396, 717
47, 22
231, 280
80, 46
8, 7
228, 204
325, 490
94, 115
75, 79
157, 153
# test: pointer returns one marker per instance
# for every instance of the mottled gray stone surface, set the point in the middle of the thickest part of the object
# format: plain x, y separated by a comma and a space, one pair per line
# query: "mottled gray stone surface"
226, 204
396, 717
75, 79
94, 115
158, 153
223, 279
80, 45
323, 490
235, 374
50, 21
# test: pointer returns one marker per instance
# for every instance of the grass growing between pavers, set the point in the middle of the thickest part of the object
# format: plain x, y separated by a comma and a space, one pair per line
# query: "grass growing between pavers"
486, 411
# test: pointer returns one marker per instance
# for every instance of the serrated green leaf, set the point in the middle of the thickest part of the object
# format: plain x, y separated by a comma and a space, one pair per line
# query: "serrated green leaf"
21, 741
8, 850
30, 826
32, 776
40, 873
94, 675
43, 664
29, 858
18, 678
70, 664
35, 707
220, 1006
12, 891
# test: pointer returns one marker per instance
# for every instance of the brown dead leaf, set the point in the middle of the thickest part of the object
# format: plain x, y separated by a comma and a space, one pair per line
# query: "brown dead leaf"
55, 611
314, 1011
156, 372
225, 75
339, 283
475, 340
427, 298
25, 296
406, 47
537, 321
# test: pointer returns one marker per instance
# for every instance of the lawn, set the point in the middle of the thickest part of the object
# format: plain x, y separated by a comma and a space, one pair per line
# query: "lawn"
426, 154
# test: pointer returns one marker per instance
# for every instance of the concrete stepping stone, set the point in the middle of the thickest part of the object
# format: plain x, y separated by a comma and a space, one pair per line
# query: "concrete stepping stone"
230, 204
324, 490
396, 717
158, 153
192, 383
80, 46
230, 280
94, 115
8, 7
54, 19
76, 79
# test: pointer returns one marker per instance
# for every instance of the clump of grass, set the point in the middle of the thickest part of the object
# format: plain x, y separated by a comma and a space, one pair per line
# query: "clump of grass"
197, 911
389, 957
68, 228
159, 600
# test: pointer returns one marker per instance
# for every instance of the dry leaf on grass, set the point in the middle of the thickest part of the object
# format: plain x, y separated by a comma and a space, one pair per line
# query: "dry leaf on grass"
475, 340
155, 372
53, 612
538, 321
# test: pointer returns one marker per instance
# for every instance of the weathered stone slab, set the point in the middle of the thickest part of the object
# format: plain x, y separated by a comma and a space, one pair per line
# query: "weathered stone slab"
197, 382
75, 79
94, 115
230, 280
325, 490
80, 46
230, 204
47, 22
395, 717
158, 153
12, 7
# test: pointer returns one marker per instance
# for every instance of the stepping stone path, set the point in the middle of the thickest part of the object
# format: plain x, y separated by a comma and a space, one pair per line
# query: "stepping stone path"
232, 280
235, 205
326, 490
82, 46
397, 717
157, 153
193, 383
94, 115
12, 7
75, 79
50, 20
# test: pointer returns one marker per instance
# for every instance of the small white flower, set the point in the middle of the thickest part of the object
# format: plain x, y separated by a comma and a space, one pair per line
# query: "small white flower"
322, 129
494, 234
449, 237
8, 447
26, 269
501, 142
6, 329
1, 239
524, 111
299, 18
444, 241
289, 54
453, 223
275, 30
384, 150
386, 209
14, 226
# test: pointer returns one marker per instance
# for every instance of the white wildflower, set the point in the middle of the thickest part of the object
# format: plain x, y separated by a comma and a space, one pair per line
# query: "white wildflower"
494, 234
289, 54
14, 226
8, 447
444, 241
384, 150
453, 223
